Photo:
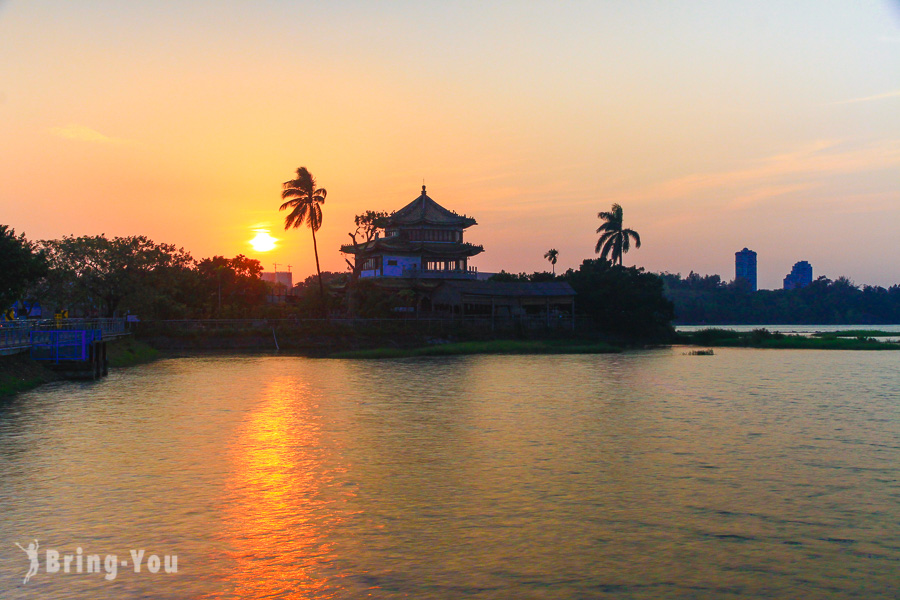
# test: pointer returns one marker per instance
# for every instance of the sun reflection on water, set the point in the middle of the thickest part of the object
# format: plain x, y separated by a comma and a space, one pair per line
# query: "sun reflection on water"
278, 511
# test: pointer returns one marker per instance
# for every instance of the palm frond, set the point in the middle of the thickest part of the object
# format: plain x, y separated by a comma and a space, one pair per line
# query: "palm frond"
293, 192
314, 217
601, 241
609, 227
634, 234
608, 247
297, 216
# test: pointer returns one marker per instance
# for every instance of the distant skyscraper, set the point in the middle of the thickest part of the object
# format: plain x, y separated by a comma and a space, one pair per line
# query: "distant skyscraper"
800, 276
745, 267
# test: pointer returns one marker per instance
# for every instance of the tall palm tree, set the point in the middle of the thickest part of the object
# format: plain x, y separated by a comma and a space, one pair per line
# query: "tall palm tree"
552, 254
614, 240
305, 201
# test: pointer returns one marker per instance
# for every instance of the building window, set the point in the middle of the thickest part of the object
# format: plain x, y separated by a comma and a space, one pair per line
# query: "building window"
392, 263
372, 264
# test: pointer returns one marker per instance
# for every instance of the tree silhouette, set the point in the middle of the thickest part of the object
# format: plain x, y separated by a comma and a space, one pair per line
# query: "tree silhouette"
614, 241
305, 201
552, 255
21, 264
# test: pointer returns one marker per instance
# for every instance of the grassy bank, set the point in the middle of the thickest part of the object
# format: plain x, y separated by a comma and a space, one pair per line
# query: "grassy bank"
127, 352
19, 373
398, 337
485, 347
762, 338
855, 333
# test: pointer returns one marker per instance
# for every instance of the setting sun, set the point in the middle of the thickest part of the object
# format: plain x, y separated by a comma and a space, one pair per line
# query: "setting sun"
263, 242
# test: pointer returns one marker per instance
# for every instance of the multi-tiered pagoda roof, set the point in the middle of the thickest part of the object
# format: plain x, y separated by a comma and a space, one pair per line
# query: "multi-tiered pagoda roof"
422, 239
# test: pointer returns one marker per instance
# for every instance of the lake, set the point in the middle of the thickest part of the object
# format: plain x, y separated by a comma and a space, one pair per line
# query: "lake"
652, 474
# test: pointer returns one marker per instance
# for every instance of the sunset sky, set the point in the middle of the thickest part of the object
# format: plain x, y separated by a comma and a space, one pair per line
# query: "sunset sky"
716, 125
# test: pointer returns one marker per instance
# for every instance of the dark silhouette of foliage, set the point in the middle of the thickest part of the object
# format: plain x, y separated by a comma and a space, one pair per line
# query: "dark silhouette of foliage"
614, 241
536, 277
624, 302
105, 275
552, 255
232, 287
307, 301
706, 299
367, 226
21, 265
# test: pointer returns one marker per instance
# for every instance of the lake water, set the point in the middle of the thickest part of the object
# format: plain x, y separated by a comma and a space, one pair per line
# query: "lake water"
748, 474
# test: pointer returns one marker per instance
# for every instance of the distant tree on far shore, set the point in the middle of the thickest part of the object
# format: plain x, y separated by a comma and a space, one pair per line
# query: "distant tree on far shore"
706, 299
614, 240
536, 277
552, 255
230, 287
305, 201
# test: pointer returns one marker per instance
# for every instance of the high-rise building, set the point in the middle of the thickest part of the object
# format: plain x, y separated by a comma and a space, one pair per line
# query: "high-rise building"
745, 267
285, 278
800, 276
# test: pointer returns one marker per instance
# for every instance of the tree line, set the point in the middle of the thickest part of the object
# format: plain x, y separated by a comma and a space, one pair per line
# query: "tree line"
700, 299
97, 276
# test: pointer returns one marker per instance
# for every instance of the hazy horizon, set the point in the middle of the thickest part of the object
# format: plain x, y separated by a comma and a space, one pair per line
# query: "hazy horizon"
717, 126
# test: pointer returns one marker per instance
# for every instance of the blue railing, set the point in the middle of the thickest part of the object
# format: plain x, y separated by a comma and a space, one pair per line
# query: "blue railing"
63, 344
15, 336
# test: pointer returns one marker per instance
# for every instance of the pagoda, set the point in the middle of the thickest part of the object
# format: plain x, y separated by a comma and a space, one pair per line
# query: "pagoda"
421, 240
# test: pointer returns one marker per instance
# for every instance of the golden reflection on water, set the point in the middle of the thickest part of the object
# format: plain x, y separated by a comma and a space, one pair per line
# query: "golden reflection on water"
277, 515
652, 475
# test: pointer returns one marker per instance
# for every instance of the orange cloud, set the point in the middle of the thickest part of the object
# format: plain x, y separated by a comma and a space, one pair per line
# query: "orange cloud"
894, 94
776, 175
83, 134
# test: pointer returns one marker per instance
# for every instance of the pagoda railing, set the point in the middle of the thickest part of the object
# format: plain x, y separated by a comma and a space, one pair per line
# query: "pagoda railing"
412, 272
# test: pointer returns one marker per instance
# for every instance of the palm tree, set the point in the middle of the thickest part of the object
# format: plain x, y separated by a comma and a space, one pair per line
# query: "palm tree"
613, 239
304, 200
552, 254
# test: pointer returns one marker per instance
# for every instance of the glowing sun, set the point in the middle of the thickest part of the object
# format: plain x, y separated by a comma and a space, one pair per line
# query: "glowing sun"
263, 242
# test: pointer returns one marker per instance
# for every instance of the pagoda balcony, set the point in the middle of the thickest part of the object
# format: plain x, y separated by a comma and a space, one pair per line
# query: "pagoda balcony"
419, 273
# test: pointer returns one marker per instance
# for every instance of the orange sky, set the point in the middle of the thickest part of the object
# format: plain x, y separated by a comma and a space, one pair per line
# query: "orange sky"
715, 125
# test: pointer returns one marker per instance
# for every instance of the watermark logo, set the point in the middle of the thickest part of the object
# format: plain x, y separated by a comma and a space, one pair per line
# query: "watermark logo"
81, 562
32, 552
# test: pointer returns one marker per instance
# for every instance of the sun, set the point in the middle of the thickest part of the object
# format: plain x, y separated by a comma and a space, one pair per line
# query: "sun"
263, 242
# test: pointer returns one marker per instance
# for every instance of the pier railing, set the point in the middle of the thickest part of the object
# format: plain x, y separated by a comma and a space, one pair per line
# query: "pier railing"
63, 344
16, 336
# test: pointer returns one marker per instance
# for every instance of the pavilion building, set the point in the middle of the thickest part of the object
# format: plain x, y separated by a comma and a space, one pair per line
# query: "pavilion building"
424, 251
422, 240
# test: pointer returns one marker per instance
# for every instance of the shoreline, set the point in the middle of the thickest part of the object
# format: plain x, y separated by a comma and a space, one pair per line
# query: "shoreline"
852, 339
19, 373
